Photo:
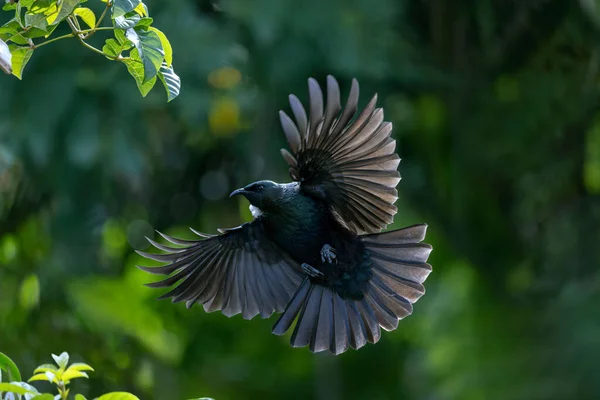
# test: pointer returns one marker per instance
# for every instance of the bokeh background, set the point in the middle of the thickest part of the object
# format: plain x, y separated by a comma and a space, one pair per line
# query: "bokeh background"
495, 109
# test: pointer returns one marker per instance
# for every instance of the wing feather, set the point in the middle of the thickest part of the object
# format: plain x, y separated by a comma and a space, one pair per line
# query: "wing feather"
347, 163
239, 271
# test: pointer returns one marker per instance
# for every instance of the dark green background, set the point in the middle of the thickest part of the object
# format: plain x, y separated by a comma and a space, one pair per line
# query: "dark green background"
495, 110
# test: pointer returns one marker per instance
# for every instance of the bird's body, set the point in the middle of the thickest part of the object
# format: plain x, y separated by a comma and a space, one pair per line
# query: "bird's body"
301, 225
315, 251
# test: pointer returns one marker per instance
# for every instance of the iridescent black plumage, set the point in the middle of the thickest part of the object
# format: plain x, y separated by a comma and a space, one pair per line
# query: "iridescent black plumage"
315, 251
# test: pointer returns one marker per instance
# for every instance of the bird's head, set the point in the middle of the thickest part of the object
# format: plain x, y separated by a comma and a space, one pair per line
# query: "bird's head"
261, 194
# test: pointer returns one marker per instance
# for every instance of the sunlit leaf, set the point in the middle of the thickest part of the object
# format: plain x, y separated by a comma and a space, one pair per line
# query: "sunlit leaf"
86, 16
166, 45
80, 367
71, 374
118, 396
142, 10
45, 368
136, 70
46, 376
9, 366
122, 7
112, 48
31, 389
170, 80
65, 8
10, 387
20, 58
45, 396
40, 12
80, 397
127, 22
149, 49
62, 360
9, 6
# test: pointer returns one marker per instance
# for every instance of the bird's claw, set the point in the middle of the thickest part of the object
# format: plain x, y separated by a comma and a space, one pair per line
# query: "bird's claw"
311, 271
328, 254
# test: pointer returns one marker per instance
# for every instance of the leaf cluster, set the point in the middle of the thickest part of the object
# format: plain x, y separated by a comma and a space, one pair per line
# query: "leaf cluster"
60, 374
144, 49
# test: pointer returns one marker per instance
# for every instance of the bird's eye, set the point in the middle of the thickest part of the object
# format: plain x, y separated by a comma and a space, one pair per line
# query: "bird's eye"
260, 187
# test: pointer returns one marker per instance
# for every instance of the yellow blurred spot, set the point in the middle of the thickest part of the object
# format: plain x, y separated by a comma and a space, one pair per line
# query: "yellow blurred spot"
224, 78
224, 116
591, 165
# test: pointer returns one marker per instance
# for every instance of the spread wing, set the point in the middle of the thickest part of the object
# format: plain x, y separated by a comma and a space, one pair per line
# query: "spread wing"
348, 162
238, 271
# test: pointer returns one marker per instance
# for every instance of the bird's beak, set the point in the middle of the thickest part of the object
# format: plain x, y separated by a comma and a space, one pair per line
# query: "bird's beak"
237, 192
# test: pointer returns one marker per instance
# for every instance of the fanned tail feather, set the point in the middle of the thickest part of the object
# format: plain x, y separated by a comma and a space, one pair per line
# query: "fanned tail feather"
326, 321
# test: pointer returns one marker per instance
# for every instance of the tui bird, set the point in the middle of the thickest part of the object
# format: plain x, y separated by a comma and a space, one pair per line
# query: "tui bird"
314, 251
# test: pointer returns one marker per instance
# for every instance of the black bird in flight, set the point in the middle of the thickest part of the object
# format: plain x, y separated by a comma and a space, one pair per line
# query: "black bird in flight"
314, 251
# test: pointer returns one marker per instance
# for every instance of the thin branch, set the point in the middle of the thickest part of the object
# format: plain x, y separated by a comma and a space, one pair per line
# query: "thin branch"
97, 27
35, 46
79, 37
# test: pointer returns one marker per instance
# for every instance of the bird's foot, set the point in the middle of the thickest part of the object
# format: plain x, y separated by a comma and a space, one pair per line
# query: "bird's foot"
311, 271
328, 254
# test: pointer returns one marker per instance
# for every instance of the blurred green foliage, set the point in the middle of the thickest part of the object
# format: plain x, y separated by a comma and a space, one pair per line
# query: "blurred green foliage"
495, 108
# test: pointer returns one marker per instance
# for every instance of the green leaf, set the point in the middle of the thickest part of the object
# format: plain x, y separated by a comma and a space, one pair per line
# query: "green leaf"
24, 385
136, 69
86, 16
120, 35
9, 7
126, 22
5, 58
149, 49
170, 80
79, 397
9, 366
20, 58
45, 368
118, 396
122, 7
71, 374
46, 376
40, 13
63, 360
145, 22
80, 367
9, 29
65, 8
30, 292
166, 45
37, 32
12, 388
45, 396
29, 3
142, 10
112, 48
